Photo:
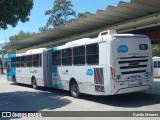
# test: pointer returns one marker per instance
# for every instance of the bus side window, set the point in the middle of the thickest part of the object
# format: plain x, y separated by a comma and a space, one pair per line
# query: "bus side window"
56, 58
29, 60
23, 61
40, 60
13, 62
92, 54
7, 66
18, 61
79, 55
36, 61
158, 64
155, 64
67, 57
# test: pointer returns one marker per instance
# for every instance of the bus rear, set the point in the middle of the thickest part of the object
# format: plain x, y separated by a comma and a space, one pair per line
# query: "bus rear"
131, 64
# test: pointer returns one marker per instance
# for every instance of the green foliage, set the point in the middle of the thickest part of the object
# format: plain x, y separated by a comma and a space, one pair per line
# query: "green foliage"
156, 50
13, 11
20, 36
43, 29
60, 13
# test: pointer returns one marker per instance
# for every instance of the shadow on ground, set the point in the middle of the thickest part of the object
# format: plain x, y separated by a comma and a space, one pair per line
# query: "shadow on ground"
31, 101
156, 85
130, 100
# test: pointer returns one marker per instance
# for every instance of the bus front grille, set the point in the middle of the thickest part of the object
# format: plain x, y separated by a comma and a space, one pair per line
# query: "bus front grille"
133, 72
133, 61
133, 65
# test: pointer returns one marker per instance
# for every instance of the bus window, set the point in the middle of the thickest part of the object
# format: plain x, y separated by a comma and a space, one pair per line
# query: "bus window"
67, 57
29, 60
155, 64
40, 59
79, 55
56, 58
92, 54
23, 61
18, 61
13, 62
7, 66
36, 60
158, 64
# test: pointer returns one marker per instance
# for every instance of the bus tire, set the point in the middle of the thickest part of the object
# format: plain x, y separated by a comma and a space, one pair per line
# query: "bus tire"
74, 89
34, 83
14, 80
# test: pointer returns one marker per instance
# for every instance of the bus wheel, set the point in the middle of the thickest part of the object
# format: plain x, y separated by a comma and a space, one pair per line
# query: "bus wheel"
75, 90
34, 83
14, 80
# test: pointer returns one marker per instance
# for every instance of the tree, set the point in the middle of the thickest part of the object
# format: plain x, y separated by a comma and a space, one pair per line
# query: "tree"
13, 11
60, 13
156, 50
20, 36
42, 29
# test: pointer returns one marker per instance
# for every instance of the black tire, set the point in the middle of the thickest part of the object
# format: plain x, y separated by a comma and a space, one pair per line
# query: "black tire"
14, 80
34, 83
74, 90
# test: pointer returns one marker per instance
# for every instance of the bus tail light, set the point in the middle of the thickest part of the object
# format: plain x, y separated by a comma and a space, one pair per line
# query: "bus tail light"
112, 72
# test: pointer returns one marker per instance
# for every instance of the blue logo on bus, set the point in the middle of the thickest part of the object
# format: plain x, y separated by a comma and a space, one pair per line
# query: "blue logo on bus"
90, 72
122, 49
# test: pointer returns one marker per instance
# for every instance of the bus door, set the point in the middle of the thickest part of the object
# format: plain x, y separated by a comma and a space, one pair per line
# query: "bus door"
11, 70
156, 70
8, 70
56, 69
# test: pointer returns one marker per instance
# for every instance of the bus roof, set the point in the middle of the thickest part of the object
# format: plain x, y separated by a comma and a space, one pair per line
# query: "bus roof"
33, 51
109, 33
156, 58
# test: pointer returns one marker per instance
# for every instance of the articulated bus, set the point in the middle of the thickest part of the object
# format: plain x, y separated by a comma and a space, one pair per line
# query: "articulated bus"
107, 65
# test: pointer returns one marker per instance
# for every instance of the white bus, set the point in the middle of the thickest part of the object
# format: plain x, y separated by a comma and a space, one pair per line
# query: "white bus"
156, 66
107, 65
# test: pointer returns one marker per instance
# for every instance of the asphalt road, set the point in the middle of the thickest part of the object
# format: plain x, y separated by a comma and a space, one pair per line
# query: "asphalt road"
24, 98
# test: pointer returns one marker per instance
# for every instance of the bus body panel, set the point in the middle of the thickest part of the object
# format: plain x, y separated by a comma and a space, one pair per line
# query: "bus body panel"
24, 75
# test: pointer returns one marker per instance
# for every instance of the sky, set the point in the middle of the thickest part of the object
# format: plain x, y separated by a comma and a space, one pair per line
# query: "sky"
38, 19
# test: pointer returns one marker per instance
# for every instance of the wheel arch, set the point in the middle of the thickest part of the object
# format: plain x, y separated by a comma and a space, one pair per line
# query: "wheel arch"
32, 78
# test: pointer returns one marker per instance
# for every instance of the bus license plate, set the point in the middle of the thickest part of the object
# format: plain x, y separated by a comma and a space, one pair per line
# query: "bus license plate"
134, 77
135, 84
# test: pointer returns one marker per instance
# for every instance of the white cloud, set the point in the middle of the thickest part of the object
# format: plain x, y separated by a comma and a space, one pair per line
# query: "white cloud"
2, 41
